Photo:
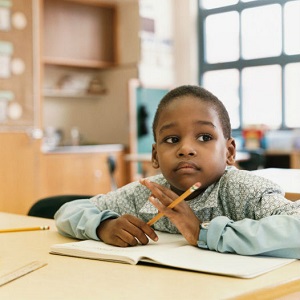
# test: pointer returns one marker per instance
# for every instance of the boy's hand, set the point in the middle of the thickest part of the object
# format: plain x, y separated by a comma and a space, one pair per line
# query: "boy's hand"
126, 230
181, 215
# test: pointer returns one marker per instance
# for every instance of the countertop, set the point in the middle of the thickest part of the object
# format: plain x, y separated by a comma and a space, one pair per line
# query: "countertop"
83, 149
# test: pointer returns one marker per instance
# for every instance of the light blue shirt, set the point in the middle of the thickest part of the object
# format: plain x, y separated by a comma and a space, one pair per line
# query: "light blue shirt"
248, 214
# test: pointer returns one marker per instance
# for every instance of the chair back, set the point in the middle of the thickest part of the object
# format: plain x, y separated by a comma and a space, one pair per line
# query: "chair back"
47, 207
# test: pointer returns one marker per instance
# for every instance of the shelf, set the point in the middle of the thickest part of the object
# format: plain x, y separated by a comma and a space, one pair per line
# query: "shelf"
68, 94
94, 64
79, 34
104, 148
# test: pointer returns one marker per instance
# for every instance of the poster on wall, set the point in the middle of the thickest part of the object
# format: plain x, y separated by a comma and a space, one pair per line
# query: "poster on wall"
157, 45
5, 98
5, 12
6, 51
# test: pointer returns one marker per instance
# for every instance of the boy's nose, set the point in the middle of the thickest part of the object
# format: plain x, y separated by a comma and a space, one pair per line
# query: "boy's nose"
186, 150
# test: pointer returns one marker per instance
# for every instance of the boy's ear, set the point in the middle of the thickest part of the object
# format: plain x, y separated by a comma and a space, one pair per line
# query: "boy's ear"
231, 152
155, 163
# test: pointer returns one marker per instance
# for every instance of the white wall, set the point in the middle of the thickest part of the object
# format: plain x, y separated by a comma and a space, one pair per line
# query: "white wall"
185, 40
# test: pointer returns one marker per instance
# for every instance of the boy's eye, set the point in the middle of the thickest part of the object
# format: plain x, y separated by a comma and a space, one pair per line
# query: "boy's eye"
204, 138
172, 140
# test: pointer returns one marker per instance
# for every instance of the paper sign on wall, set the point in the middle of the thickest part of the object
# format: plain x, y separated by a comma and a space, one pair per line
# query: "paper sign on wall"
5, 15
5, 97
6, 51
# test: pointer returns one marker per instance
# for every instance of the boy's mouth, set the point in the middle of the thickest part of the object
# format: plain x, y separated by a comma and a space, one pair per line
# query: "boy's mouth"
186, 166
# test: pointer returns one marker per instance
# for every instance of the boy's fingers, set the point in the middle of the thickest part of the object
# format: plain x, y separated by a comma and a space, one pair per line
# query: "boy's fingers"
165, 195
141, 230
127, 238
169, 212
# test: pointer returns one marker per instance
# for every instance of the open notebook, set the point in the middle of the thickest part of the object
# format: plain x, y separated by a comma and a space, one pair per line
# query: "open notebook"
173, 251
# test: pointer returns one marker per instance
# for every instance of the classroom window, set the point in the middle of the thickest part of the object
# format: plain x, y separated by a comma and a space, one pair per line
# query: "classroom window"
249, 54
292, 94
292, 28
226, 39
261, 95
225, 84
261, 31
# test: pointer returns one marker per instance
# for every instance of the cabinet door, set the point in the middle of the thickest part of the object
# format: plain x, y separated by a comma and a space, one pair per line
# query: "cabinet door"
19, 160
80, 173
79, 33
19, 111
19, 74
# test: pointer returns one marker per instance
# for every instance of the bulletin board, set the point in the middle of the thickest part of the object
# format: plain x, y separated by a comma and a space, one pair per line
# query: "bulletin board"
143, 105
143, 102
19, 64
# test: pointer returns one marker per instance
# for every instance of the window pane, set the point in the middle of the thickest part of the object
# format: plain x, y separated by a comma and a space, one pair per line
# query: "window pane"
225, 84
261, 90
292, 28
261, 31
217, 3
252, 0
292, 95
222, 37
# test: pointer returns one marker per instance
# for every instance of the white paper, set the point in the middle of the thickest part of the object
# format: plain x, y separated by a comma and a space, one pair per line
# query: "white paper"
4, 18
4, 66
173, 251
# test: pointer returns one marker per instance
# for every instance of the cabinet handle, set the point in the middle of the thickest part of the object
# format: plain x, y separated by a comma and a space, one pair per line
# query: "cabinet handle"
36, 134
98, 174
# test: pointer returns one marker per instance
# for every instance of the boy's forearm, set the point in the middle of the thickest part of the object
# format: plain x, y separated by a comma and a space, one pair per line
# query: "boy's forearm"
80, 219
274, 236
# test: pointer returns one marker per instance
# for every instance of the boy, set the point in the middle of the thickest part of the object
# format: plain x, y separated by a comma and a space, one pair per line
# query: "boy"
232, 211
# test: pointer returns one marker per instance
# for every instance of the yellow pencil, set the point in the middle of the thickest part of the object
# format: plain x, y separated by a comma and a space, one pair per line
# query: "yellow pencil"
175, 202
24, 229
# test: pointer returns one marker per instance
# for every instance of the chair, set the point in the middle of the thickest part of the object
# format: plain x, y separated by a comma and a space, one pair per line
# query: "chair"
47, 207
112, 165
255, 162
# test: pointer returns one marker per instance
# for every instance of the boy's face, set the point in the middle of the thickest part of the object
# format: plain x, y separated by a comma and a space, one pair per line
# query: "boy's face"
190, 145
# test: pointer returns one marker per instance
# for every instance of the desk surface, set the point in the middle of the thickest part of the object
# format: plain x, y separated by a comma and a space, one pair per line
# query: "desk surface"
288, 179
75, 278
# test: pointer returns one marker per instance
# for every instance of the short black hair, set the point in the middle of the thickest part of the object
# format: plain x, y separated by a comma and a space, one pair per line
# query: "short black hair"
203, 95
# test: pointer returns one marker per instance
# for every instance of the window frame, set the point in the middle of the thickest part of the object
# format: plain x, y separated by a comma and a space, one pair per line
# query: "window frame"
283, 59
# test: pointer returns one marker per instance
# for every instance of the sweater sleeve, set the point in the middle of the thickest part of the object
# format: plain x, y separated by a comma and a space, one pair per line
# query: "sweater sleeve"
276, 235
80, 219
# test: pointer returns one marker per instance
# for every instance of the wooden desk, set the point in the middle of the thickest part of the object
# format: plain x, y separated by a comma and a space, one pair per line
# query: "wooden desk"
283, 158
288, 179
75, 278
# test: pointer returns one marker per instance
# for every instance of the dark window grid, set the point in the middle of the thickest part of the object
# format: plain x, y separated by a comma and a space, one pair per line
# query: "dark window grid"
282, 59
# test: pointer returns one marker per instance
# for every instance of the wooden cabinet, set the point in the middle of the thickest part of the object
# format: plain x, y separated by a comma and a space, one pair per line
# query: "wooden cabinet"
76, 34
19, 172
78, 173
27, 174
79, 33
295, 160
282, 159
19, 80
